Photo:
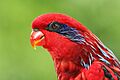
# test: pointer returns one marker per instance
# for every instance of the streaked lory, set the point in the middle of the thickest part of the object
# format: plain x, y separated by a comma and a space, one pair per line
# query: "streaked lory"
77, 53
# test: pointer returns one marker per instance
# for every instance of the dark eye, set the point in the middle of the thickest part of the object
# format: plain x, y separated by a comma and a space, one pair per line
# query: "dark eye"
35, 29
54, 26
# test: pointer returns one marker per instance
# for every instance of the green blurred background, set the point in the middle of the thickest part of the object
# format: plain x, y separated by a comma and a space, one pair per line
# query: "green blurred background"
18, 60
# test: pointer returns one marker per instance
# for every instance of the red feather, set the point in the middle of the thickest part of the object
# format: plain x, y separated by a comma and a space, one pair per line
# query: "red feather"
89, 60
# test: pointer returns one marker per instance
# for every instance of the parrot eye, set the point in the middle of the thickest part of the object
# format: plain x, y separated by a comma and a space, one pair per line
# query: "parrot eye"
54, 26
35, 29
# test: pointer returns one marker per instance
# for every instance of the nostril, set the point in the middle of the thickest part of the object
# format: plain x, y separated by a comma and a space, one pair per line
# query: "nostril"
35, 29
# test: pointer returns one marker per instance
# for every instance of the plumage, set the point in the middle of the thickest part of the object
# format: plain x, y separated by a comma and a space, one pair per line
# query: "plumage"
77, 53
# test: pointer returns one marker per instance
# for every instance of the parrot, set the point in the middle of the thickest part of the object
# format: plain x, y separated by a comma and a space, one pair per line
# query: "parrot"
77, 53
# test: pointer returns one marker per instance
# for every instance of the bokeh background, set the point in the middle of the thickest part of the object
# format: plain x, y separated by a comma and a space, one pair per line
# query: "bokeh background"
18, 60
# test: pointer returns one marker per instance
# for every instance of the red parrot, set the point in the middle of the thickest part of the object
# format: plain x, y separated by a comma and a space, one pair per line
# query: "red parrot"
77, 53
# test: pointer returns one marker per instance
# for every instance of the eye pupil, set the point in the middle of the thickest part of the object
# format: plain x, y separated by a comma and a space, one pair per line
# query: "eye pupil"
54, 26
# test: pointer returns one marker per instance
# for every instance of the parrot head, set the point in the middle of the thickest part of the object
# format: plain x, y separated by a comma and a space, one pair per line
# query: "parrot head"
59, 33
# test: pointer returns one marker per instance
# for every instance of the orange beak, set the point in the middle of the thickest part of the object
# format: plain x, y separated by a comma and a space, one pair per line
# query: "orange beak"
37, 39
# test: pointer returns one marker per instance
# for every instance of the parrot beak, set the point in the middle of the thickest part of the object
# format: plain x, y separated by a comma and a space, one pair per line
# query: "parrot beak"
37, 39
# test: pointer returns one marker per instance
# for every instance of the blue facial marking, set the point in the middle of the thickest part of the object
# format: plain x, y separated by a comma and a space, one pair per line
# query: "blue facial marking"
67, 31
